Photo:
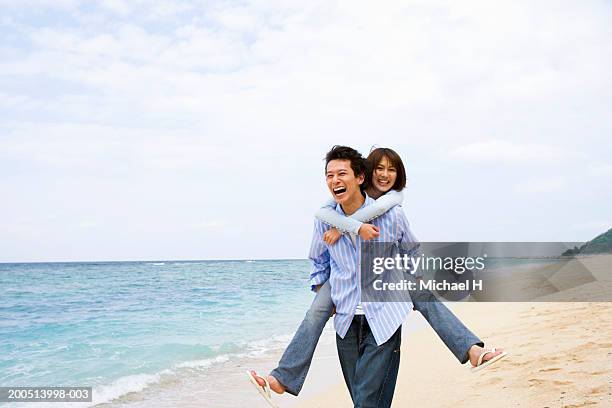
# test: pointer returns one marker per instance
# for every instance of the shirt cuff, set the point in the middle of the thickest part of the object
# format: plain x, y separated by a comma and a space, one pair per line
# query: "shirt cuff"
317, 280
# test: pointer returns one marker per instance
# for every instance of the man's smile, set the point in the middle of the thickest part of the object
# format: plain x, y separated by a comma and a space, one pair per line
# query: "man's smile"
339, 191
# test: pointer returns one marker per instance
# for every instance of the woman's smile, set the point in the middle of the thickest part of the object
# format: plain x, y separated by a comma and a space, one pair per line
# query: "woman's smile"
384, 175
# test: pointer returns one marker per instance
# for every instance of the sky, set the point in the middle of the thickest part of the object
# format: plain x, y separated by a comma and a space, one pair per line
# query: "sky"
154, 130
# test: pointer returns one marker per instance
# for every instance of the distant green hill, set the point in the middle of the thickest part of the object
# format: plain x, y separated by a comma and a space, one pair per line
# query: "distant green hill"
600, 244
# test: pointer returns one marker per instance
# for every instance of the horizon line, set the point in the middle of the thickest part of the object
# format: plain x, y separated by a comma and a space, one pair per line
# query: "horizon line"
154, 260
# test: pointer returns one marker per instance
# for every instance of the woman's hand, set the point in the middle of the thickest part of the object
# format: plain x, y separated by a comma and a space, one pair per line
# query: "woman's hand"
368, 231
331, 236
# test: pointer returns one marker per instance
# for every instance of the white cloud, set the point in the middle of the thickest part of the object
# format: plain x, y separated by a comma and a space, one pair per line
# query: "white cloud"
597, 226
495, 151
88, 224
325, 57
600, 169
212, 224
239, 19
550, 185
116, 6
72, 146
41, 4
11, 101
134, 106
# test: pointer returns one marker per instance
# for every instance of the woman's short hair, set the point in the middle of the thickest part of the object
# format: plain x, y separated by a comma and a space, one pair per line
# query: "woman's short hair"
375, 157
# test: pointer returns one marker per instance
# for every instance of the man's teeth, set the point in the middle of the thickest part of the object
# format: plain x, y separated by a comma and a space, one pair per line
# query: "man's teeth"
339, 190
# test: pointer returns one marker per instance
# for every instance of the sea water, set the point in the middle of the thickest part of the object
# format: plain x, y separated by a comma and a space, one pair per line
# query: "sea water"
124, 327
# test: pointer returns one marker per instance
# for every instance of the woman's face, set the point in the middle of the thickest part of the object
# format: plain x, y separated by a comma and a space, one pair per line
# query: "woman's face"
384, 175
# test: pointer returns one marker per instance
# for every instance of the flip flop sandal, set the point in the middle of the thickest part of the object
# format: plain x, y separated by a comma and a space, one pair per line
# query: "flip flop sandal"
480, 365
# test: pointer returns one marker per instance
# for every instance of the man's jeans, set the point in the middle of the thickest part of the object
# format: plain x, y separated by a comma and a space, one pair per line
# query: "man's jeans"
295, 362
370, 370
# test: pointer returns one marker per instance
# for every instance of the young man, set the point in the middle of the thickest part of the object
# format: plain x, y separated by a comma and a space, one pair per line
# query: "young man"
368, 335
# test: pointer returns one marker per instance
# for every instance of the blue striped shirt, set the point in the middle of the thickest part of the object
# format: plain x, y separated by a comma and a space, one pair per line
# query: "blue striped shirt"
340, 263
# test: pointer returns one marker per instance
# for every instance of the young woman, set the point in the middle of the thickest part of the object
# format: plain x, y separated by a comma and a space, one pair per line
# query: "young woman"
386, 179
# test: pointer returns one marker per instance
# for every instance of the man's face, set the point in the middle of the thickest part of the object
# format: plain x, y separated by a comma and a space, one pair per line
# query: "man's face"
341, 181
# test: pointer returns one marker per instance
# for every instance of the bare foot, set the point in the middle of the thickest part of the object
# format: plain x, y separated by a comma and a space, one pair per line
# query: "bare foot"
274, 384
475, 352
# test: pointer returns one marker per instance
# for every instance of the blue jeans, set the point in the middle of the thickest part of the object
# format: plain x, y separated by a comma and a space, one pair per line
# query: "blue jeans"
369, 370
295, 362
447, 326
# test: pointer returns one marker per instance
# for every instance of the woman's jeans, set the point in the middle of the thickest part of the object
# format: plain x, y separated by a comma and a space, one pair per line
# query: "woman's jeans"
295, 362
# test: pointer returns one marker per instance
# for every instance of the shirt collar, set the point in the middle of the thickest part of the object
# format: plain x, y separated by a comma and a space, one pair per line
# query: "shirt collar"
368, 201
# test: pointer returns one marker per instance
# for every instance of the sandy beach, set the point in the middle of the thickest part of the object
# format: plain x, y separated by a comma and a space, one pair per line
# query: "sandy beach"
560, 355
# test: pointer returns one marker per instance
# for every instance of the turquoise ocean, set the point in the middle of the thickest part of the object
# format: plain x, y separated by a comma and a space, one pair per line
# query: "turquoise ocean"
123, 327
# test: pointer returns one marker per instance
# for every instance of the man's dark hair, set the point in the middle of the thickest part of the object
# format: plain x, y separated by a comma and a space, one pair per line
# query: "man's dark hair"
358, 163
